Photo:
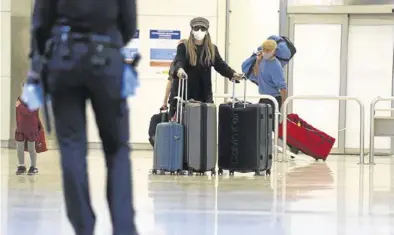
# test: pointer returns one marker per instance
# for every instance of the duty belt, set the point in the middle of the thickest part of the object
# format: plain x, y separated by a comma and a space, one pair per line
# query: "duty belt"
98, 42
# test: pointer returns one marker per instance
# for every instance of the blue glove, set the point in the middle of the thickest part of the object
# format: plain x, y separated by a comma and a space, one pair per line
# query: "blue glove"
130, 81
32, 96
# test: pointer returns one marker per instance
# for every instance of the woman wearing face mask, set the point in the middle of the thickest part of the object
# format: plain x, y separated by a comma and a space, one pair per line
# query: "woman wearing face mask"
195, 58
268, 73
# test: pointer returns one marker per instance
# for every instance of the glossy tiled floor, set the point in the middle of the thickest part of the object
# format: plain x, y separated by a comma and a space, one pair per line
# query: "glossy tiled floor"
302, 197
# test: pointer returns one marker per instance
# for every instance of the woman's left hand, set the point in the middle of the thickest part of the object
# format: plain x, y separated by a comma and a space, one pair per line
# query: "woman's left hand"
237, 76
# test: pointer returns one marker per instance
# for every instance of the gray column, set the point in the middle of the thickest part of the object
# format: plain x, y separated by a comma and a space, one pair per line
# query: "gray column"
283, 17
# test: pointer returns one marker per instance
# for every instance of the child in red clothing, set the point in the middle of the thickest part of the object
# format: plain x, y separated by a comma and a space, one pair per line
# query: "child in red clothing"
27, 134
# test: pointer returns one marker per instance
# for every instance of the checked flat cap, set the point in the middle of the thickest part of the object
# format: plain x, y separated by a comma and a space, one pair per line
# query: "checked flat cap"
199, 21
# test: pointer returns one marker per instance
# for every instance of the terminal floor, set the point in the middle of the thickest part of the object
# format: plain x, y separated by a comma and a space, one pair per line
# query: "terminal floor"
301, 197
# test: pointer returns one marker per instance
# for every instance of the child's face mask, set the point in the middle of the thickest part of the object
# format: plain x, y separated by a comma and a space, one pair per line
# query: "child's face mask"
268, 54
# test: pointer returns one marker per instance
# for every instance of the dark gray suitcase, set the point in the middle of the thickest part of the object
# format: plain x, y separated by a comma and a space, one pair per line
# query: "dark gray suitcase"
245, 137
200, 121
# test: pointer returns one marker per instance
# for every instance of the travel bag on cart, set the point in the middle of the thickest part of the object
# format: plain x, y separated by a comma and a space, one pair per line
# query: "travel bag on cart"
245, 137
200, 137
306, 138
169, 143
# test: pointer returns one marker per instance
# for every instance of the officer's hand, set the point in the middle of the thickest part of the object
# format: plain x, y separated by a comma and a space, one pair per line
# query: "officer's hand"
17, 103
181, 73
128, 61
32, 76
36, 64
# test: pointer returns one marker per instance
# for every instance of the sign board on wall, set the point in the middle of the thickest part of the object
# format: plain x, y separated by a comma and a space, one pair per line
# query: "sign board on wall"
134, 45
163, 44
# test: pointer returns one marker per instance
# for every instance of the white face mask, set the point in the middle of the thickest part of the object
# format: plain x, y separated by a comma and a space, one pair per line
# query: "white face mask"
199, 35
268, 56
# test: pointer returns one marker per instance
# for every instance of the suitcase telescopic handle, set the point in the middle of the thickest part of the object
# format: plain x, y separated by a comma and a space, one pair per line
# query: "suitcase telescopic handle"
181, 98
234, 99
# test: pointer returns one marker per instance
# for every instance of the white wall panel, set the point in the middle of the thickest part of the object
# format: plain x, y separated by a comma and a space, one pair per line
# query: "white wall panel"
316, 2
251, 22
370, 65
175, 8
5, 68
5, 91
316, 71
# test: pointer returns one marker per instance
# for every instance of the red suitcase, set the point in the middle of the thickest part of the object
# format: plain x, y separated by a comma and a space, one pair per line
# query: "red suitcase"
307, 138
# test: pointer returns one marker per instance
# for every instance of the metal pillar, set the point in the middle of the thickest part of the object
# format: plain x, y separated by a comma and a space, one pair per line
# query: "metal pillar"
227, 41
320, 97
283, 17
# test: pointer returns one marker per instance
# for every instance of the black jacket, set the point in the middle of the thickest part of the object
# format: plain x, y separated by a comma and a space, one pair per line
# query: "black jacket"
96, 15
199, 76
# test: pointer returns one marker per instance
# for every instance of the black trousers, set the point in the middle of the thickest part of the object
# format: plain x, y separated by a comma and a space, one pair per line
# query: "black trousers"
71, 83
268, 101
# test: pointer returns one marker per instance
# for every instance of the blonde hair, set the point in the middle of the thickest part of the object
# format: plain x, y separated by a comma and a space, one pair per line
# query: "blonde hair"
208, 51
269, 45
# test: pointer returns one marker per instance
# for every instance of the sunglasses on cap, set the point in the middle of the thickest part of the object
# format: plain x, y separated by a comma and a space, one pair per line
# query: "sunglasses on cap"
197, 28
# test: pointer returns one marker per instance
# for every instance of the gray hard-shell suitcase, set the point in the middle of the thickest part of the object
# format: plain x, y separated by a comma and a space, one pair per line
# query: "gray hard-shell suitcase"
168, 152
200, 121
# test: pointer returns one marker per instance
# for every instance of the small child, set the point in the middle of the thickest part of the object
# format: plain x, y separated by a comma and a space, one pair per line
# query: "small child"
27, 133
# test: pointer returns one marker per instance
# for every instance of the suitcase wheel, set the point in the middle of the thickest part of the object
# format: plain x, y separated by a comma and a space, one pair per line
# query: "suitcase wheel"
220, 172
257, 172
190, 171
213, 172
162, 172
179, 172
172, 172
154, 171
317, 159
231, 172
268, 172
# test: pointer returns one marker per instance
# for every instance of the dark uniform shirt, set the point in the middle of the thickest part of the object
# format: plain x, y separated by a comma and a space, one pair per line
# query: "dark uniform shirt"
97, 16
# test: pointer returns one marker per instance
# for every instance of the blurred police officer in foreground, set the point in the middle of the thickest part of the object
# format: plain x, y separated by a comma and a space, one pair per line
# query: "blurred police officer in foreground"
85, 62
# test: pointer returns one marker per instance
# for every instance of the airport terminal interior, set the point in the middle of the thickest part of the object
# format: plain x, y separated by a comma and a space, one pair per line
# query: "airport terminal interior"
341, 80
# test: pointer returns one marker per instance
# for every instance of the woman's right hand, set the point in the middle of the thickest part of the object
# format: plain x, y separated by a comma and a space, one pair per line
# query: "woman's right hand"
181, 73
164, 106
17, 103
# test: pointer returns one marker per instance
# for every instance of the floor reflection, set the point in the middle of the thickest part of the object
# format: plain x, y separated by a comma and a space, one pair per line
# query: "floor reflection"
301, 197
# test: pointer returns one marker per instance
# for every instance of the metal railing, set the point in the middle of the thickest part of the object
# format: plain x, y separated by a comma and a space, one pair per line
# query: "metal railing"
276, 114
372, 132
321, 97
